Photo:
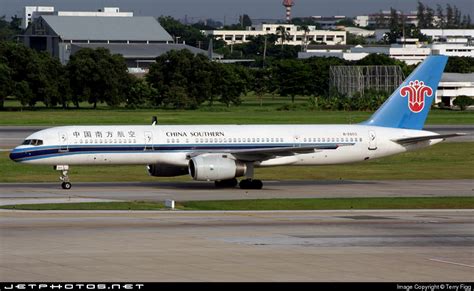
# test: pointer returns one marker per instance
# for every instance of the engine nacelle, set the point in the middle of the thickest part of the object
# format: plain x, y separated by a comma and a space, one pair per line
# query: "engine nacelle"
215, 168
160, 170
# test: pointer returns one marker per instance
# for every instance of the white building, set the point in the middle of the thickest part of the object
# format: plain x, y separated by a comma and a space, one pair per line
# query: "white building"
360, 32
33, 12
449, 35
453, 49
411, 52
108, 11
296, 35
362, 20
453, 85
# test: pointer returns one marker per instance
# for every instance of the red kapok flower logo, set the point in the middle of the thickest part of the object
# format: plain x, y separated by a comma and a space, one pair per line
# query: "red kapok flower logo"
416, 92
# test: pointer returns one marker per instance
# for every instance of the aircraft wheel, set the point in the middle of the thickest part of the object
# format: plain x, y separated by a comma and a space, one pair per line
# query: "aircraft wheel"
231, 183
66, 185
251, 184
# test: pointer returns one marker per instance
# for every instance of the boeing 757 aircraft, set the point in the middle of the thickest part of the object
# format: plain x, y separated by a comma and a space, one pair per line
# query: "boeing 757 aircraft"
222, 153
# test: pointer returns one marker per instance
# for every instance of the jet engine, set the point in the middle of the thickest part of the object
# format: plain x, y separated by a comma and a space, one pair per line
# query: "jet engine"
215, 168
162, 170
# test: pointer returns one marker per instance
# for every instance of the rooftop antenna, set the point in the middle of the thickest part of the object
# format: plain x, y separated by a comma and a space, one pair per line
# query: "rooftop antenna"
154, 121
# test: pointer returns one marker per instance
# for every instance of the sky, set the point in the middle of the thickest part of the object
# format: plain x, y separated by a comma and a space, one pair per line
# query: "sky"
229, 10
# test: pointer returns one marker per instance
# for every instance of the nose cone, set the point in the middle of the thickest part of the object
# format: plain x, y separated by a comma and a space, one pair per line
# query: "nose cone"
15, 155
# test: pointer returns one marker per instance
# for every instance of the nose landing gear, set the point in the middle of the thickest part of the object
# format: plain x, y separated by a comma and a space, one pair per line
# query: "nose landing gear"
64, 176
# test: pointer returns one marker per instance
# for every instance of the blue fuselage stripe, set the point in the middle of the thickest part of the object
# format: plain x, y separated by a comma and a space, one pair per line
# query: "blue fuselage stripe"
43, 152
34, 153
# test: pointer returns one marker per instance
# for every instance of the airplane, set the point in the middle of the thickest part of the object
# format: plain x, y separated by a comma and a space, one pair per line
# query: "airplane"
223, 153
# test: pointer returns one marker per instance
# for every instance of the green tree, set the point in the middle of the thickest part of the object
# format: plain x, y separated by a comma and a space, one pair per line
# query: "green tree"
8, 30
441, 18
97, 76
353, 39
261, 83
460, 65
175, 69
187, 33
230, 84
420, 14
44, 76
245, 20
463, 102
283, 35
292, 77
318, 82
140, 94
24, 94
5, 83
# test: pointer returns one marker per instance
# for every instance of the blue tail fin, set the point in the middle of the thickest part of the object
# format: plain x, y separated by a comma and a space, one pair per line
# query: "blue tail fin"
409, 105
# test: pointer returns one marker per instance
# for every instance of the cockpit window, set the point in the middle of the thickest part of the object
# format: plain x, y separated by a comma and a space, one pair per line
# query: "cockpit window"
34, 142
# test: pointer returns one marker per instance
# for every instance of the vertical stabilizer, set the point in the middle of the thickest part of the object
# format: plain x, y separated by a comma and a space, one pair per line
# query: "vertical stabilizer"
409, 105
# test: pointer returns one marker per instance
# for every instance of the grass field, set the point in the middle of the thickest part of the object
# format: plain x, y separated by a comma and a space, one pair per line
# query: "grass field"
442, 161
271, 204
249, 112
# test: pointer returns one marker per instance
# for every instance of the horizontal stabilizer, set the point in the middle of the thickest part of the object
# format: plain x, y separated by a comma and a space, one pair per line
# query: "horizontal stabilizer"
416, 139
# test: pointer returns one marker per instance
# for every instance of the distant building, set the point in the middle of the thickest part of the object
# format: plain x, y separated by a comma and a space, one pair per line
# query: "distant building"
296, 35
328, 22
107, 11
453, 85
138, 39
360, 32
409, 50
33, 12
449, 35
383, 18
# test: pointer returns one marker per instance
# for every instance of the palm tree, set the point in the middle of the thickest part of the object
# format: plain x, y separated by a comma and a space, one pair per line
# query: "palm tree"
305, 28
283, 34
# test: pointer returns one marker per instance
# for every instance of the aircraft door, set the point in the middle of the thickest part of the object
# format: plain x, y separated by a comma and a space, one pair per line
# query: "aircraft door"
63, 142
148, 141
372, 140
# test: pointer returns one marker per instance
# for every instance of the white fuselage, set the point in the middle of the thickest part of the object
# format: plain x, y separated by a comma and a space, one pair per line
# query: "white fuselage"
142, 145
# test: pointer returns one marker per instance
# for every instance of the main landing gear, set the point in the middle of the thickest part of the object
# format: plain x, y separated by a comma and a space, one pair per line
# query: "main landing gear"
251, 184
248, 183
244, 184
64, 176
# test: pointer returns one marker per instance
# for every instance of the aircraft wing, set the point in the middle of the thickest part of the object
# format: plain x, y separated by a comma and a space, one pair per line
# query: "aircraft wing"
270, 153
410, 140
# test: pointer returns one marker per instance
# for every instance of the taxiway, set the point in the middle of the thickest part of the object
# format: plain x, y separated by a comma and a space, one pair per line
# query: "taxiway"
419, 245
